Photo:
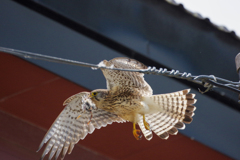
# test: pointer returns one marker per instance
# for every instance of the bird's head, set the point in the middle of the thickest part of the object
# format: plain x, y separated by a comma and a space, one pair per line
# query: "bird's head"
98, 96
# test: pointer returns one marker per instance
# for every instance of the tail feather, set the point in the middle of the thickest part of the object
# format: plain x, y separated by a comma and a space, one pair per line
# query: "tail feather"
190, 96
170, 112
165, 135
180, 125
173, 131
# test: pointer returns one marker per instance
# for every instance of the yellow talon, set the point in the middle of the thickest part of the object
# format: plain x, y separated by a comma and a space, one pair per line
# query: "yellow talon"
145, 123
136, 132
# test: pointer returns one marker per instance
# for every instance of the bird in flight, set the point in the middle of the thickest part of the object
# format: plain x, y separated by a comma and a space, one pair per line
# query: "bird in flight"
128, 97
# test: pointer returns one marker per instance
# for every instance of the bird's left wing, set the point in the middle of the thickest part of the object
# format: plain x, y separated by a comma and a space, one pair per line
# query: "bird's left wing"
133, 81
76, 120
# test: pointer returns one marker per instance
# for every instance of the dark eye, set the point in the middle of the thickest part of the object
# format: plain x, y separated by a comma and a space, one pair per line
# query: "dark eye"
94, 93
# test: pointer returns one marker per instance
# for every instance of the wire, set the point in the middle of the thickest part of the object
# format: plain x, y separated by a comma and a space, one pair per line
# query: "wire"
208, 81
45, 57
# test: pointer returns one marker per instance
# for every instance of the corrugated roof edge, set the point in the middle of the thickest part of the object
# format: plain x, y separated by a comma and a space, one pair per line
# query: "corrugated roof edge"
199, 16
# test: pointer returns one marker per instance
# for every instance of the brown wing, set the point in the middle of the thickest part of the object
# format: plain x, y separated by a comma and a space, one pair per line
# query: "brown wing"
124, 79
73, 124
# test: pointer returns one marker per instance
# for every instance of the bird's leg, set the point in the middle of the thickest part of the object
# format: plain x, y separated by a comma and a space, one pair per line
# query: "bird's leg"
136, 132
90, 118
78, 117
145, 123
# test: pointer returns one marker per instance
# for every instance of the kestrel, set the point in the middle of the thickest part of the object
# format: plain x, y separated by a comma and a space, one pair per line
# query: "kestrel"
128, 97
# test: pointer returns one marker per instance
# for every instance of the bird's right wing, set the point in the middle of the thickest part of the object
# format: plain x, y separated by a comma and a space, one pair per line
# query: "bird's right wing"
76, 120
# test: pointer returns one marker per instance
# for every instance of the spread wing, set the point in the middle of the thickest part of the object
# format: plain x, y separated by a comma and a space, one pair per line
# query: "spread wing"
74, 124
123, 79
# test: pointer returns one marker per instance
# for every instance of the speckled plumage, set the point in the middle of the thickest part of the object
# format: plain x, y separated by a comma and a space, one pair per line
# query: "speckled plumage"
125, 89
128, 97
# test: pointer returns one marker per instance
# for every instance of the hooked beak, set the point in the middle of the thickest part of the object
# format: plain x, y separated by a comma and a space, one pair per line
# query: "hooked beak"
90, 96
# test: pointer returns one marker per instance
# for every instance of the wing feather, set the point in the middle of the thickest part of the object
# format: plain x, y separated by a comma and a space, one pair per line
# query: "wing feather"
73, 124
124, 79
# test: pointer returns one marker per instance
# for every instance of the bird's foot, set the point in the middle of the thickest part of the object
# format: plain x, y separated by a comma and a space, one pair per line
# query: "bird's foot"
137, 134
146, 125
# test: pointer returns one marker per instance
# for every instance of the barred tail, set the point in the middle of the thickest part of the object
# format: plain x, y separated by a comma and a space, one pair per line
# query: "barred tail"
171, 111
